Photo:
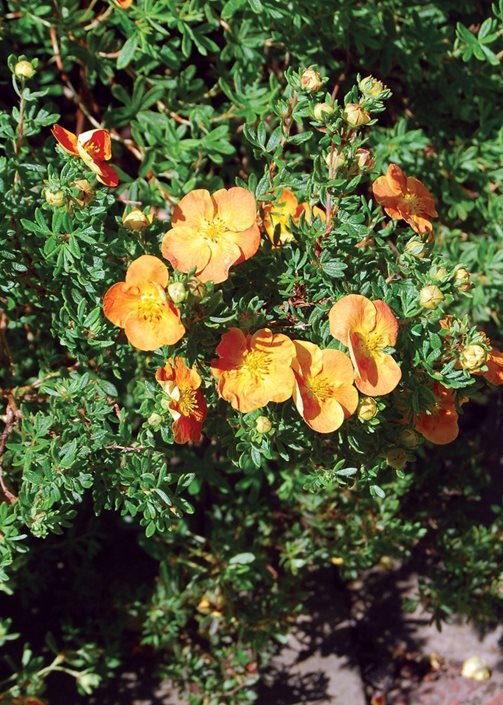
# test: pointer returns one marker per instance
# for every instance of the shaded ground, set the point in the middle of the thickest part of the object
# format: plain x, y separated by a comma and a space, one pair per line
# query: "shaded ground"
356, 646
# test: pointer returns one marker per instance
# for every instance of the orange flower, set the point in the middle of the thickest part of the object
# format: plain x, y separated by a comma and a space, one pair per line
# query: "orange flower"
187, 405
286, 207
93, 147
124, 3
141, 307
323, 394
405, 198
439, 424
494, 373
212, 232
253, 370
367, 328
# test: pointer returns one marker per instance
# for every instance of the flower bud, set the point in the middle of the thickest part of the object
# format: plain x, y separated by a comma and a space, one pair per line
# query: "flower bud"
197, 288
356, 115
337, 560
154, 420
24, 69
136, 220
54, 198
473, 358
336, 159
177, 292
263, 424
311, 81
85, 192
371, 87
322, 111
364, 159
439, 273
409, 438
397, 458
462, 279
417, 248
430, 296
367, 408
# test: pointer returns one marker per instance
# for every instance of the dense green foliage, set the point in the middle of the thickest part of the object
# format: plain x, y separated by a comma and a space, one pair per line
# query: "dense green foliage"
199, 551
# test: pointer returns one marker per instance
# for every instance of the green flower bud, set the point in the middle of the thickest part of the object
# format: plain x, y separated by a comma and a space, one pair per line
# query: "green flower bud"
263, 424
321, 111
473, 358
54, 198
430, 296
356, 115
177, 292
367, 408
24, 69
311, 81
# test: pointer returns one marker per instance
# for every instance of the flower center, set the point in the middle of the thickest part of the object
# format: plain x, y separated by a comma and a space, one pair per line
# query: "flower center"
373, 343
213, 229
319, 387
255, 363
411, 203
150, 305
187, 403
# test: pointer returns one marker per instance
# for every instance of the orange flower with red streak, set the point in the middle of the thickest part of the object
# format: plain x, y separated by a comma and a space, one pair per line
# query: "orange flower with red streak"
367, 328
439, 423
280, 212
187, 405
211, 233
324, 393
94, 147
405, 198
253, 370
124, 3
141, 307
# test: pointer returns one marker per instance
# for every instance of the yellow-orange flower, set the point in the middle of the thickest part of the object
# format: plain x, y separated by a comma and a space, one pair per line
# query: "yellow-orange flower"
367, 328
187, 405
494, 373
324, 393
253, 370
439, 424
405, 198
141, 307
212, 232
94, 147
124, 3
280, 212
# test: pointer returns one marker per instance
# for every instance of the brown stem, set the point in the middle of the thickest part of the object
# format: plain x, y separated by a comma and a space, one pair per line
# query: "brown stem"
12, 416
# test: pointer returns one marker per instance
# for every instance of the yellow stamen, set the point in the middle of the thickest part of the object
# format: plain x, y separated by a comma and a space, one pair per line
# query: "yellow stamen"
213, 229
255, 364
187, 402
151, 304
319, 387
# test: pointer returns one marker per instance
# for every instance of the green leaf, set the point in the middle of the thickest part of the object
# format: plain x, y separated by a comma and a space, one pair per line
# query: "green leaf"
127, 52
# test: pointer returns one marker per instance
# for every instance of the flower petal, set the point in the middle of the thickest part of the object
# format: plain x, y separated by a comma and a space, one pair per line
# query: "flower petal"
386, 324
193, 208
237, 207
147, 268
248, 242
66, 139
224, 253
150, 335
119, 302
97, 144
183, 247
352, 313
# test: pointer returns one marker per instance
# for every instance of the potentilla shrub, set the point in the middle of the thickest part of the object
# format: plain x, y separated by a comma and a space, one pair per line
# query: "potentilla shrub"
243, 316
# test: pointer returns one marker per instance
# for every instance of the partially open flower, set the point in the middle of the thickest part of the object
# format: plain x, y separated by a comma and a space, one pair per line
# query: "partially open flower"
364, 159
140, 306
186, 405
311, 81
211, 233
439, 423
280, 212
324, 393
462, 279
356, 115
473, 358
367, 408
136, 220
371, 87
397, 458
494, 362
85, 192
367, 328
93, 147
253, 370
405, 198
